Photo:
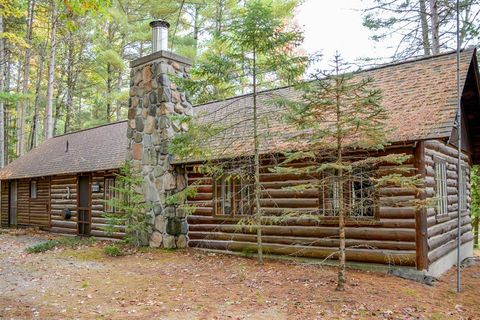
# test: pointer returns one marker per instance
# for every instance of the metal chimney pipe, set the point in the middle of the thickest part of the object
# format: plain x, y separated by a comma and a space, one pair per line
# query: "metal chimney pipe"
159, 35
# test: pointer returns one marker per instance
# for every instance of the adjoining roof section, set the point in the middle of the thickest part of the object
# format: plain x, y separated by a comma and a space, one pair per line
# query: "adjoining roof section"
419, 96
95, 149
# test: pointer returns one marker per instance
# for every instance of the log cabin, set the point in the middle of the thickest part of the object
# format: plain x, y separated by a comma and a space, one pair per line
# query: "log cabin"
62, 184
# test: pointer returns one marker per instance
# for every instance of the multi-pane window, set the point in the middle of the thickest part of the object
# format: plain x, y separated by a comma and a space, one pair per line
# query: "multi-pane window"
33, 189
233, 196
358, 194
441, 191
464, 189
109, 185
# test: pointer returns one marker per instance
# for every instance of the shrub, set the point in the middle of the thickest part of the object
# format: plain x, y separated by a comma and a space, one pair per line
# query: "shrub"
113, 251
43, 246
67, 242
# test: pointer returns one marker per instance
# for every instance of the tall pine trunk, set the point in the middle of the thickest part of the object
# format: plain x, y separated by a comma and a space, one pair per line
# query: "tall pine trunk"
341, 200
2, 88
427, 50
34, 140
26, 78
434, 26
109, 91
51, 73
258, 211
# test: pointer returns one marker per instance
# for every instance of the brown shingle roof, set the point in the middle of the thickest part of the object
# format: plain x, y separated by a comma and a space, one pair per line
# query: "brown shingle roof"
419, 96
95, 149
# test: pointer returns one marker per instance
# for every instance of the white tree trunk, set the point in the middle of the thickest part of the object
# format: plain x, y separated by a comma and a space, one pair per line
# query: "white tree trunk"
51, 72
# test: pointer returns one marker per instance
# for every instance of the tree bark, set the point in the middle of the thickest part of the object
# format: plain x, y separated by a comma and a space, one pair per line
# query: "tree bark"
51, 76
34, 140
434, 26
475, 230
257, 190
109, 91
26, 76
427, 50
70, 83
341, 204
2, 88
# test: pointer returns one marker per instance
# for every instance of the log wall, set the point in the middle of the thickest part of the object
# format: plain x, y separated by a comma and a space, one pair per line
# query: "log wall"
63, 191
98, 207
4, 204
64, 196
388, 238
442, 230
30, 211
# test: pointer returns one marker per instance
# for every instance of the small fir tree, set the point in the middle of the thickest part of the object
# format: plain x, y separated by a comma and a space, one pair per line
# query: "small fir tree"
340, 122
129, 207
257, 52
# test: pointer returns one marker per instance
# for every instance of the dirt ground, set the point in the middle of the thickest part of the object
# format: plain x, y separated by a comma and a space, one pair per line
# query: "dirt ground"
156, 284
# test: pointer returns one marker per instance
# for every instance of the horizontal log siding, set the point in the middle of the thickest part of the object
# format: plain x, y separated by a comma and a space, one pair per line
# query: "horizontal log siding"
388, 239
63, 192
39, 207
442, 231
98, 207
30, 212
4, 204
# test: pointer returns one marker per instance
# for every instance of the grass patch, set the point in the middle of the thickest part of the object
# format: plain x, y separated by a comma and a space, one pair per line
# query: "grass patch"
113, 251
67, 242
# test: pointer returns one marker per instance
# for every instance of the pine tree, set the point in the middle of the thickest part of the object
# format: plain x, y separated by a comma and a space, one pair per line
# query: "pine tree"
129, 207
257, 51
341, 121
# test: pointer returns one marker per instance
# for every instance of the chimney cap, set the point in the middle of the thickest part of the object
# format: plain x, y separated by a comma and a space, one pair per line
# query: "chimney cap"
159, 23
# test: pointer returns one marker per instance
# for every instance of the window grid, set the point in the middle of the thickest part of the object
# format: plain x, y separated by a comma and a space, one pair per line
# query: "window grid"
441, 191
359, 196
464, 189
109, 184
233, 196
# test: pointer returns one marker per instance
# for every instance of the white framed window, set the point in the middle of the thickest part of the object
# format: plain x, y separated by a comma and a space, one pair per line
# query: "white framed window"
33, 189
109, 185
464, 189
358, 194
441, 191
233, 195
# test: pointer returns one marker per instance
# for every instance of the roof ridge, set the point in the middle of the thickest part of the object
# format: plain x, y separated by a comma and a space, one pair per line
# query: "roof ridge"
381, 66
91, 128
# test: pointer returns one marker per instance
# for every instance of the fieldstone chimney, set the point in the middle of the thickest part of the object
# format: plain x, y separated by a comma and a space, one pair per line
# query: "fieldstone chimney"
154, 97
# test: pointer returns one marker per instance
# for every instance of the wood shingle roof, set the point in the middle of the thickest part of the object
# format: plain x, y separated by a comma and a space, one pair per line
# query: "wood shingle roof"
419, 95
99, 148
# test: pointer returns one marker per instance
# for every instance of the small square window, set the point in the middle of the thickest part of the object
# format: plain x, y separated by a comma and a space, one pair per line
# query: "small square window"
33, 189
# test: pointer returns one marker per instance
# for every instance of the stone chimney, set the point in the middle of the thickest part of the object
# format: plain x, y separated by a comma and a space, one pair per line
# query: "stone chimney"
154, 97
